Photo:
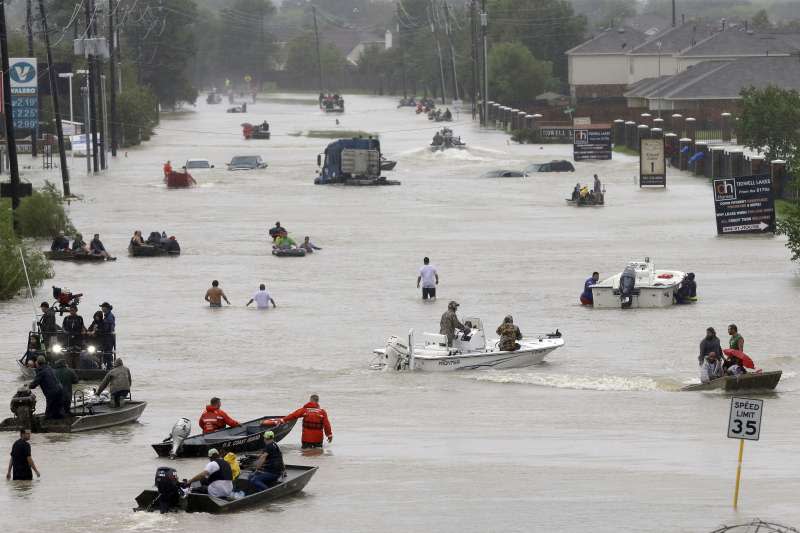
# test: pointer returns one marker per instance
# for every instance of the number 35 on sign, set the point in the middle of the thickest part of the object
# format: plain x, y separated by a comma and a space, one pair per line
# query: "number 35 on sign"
745, 418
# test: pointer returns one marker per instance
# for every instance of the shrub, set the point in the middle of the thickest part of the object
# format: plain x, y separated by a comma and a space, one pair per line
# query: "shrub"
42, 214
12, 274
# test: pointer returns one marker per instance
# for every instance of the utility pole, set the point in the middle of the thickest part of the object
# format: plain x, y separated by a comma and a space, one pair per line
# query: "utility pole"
32, 53
673, 13
474, 54
452, 50
319, 55
90, 77
402, 45
112, 65
101, 95
15, 187
53, 76
484, 23
438, 50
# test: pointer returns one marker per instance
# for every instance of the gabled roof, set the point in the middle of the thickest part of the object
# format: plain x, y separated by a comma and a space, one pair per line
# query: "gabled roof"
724, 80
612, 41
739, 43
657, 87
675, 39
648, 23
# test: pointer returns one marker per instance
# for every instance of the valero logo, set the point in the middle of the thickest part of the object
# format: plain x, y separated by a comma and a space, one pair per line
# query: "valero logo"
23, 72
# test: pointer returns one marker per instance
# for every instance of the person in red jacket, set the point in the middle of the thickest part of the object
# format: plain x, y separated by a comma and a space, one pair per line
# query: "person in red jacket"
315, 422
214, 418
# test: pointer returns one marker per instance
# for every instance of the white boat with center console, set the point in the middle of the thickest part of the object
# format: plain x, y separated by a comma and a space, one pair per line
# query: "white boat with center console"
640, 285
470, 351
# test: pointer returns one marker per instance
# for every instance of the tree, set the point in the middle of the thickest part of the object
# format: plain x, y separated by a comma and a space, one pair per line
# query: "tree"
601, 14
548, 28
769, 123
515, 76
301, 62
761, 21
789, 225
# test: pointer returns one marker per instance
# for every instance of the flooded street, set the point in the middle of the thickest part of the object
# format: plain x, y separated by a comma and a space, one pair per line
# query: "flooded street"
596, 439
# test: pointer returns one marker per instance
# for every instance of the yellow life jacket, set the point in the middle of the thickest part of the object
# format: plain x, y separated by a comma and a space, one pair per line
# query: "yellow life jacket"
231, 459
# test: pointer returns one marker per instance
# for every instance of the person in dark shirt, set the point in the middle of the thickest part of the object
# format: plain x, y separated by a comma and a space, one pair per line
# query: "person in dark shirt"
710, 343
47, 322
32, 353
269, 465
67, 377
21, 462
60, 243
97, 248
73, 326
79, 245
47, 380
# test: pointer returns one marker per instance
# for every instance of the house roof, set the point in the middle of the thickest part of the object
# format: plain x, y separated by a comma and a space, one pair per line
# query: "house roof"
675, 39
742, 43
611, 41
724, 80
648, 23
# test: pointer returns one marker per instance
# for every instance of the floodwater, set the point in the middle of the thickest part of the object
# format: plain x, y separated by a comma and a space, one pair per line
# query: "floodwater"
595, 439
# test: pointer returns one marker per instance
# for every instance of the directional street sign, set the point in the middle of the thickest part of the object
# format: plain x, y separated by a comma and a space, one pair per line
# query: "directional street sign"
745, 418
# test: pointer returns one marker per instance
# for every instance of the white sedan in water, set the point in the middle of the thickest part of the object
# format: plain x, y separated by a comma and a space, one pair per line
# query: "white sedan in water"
197, 165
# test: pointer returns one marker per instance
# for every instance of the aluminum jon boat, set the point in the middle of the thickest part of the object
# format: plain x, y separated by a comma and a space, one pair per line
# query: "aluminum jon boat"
82, 418
470, 351
756, 381
242, 438
295, 480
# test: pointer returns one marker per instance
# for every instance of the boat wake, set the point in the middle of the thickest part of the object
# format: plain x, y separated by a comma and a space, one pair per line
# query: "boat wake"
600, 383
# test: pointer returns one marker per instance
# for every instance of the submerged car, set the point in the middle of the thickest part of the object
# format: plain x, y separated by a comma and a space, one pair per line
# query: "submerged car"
246, 162
196, 165
552, 166
504, 174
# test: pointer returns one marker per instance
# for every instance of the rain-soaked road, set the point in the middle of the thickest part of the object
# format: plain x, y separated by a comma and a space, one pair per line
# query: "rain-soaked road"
596, 439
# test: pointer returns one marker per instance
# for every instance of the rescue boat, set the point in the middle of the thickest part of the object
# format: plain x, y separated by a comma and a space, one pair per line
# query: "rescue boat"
179, 180
640, 285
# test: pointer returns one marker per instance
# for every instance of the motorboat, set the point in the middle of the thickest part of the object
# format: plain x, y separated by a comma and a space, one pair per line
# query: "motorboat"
754, 381
78, 256
242, 108
153, 250
444, 140
86, 413
470, 351
294, 480
213, 98
640, 285
256, 131
243, 438
593, 199
179, 180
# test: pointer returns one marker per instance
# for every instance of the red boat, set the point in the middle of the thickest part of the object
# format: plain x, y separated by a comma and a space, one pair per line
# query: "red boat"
175, 180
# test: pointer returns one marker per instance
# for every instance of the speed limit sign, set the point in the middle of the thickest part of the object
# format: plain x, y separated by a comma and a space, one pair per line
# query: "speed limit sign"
745, 418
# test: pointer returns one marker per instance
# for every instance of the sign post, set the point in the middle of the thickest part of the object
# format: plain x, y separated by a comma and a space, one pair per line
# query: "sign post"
652, 166
744, 423
744, 204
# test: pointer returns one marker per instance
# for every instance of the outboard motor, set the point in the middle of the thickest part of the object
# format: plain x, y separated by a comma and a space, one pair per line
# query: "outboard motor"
180, 431
627, 282
23, 403
169, 488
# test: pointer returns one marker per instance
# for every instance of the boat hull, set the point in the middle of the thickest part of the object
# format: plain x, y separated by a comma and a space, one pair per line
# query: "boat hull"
73, 256
148, 250
745, 382
247, 437
297, 477
643, 297
178, 180
103, 416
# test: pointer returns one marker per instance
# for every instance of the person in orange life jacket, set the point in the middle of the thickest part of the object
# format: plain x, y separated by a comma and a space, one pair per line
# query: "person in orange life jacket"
214, 418
315, 422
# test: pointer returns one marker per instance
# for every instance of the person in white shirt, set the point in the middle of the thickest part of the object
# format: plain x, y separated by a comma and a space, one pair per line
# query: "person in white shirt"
429, 279
262, 298
217, 474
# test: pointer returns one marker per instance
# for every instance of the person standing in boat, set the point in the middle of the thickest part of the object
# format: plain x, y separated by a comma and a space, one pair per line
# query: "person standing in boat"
21, 466
736, 341
710, 343
60, 243
429, 278
51, 388
109, 334
449, 323
167, 169
118, 380
712, 368
215, 295
67, 377
586, 296
509, 335
217, 476
74, 327
315, 423
269, 465
214, 418
47, 323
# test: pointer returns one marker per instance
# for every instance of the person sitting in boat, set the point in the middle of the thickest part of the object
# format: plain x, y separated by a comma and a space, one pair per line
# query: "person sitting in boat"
576, 192
438, 139
712, 368
586, 296
735, 367
78, 245
118, 380
447, 115
466, 333
97, 248
214, 418
309, 246
284, 242
264, 126
509, 335
167, 169
171, 244
276, 230
449, 322
32, 353
60, 243
137, 239
710, 343
269, 465
216, 477
584, 194
154, 238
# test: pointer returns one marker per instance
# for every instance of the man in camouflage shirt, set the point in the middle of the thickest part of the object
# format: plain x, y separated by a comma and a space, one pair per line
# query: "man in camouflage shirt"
450, 323
509, 335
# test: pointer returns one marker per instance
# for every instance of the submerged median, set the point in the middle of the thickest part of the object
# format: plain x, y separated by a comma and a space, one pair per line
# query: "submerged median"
335, 134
